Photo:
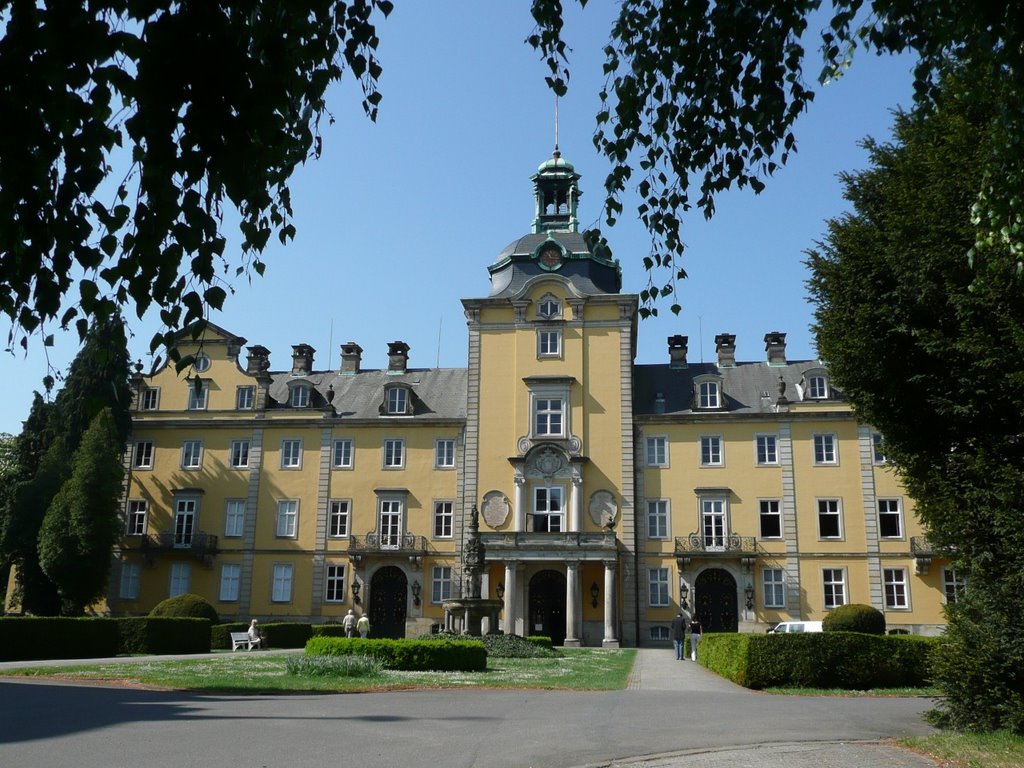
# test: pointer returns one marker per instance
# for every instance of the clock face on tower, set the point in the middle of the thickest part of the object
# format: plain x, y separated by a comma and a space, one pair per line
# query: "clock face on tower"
550, 257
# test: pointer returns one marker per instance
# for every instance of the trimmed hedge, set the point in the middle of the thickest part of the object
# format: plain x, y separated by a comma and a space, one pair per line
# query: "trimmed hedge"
30, 637
540, 641
186, 606
159, 635
220, 634
407, 655
855, 617
849, 660
286, 634
329, 630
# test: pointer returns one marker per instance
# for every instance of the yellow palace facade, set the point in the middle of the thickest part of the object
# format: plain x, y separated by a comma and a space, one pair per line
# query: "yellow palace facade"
610, 494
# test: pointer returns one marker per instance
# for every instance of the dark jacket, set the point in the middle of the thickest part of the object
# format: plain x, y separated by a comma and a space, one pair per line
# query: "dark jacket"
679, 628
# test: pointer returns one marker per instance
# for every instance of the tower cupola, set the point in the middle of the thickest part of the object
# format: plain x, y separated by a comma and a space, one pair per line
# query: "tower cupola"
557, 194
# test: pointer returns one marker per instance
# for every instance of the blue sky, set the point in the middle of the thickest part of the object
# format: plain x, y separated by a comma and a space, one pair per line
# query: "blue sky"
399, 220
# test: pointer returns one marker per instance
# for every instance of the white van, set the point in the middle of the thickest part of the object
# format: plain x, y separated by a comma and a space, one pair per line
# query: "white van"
796, 626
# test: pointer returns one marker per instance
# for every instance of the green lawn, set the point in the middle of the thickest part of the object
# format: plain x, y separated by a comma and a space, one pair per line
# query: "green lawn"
580, 669
971, 750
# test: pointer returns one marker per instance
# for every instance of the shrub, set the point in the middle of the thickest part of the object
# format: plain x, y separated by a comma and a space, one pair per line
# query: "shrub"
334, 666
540, 641
158, 634
287, 634
329, 630
220, 634
31, 637
515, 647
408, 655
855, 617
186, 606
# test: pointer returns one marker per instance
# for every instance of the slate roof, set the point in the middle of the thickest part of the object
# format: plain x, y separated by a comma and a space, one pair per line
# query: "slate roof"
588, 272
748, 387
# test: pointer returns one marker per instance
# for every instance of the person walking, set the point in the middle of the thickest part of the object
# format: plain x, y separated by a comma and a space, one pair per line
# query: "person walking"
695, 633
349, 623
363, 626
679, 635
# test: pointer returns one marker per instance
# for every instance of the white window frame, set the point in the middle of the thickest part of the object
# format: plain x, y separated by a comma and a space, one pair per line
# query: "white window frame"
334, 583
149, 399
390, 522
766, 450
549, 307
291, 453
894, 510
877, 449
282, 581
234, 518
342, 453
339, 518
826, 449
131, 577
713, 521
286, 521
198, 401
444, 453
769, 508
553, 514
658, 633
658, 593
549, 342
657, 451
144, 452
186, 521
549, 417
393, 453
712, 451
440, 584
137, 517
896, 587
202, 362
658, 518
230, 582
773, 587
245, 397
953, 585
192, 454
817, 387
709, 395
239, 457
443, 524
833, 582
828, 509
299, 397
181, 579
397, 399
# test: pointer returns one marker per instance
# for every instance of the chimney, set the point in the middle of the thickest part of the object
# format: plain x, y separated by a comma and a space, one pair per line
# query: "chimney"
725, 346
302, 359
677, 351
351, 357
398, 356
775, 346
258, 360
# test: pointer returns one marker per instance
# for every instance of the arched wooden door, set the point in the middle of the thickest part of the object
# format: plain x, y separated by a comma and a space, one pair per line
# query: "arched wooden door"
388, 602
715, 601
547, 606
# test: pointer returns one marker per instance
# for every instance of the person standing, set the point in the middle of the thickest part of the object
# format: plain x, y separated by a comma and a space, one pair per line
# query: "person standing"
363, 626
349, 623
679, 634
695, 633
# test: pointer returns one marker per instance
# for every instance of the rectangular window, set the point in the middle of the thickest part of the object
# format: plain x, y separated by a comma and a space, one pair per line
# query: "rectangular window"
291, 454
895, 580
549, 343
817, 388
337, 522
878, 451
244, 397
657, 583
398, 401
230, 578
184, 522
181, 578
335, 581
390, 524
131, 574
144, 455
444, 454
657, 451
711, 451
657, 519
834, 583
890, 519
548, 509
300, 397
394, 454
825, 449
440, 583
239, 454
548, 416
150, 399
281, 591
192, 454
774, 584
767, 450
137, 509
708, 395
444, 516
659, 633
234, 518
712, 524
954, 584
341, 455
287, 518
829, 519
771, 519
197, 398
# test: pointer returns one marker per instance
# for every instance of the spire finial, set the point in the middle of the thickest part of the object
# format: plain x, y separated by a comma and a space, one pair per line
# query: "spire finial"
556, 153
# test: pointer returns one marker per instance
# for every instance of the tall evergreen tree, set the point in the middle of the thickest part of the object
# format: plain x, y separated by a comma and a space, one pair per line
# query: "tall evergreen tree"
929, 346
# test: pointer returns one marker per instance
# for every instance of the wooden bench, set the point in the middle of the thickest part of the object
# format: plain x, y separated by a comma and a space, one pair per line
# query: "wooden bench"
239, 639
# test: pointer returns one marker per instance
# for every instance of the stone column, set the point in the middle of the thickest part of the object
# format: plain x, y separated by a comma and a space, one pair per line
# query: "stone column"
610, 641
519, 506
510, 597
572, 605
575, 502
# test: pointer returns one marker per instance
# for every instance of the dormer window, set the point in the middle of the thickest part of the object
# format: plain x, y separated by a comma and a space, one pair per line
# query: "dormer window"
397, 401
708, 393
817, 388
549, 308
300, 396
